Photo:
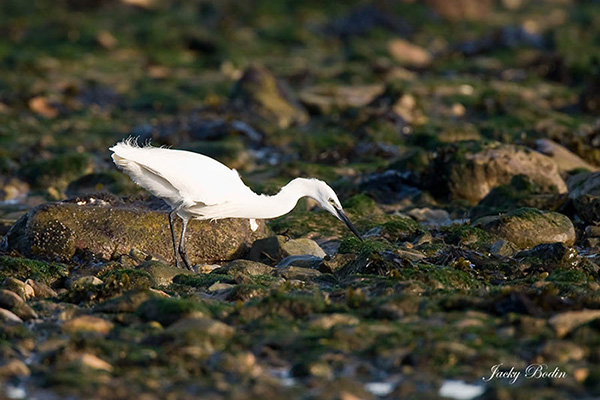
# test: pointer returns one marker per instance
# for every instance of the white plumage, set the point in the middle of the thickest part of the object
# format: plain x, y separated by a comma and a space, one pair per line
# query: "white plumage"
197, 186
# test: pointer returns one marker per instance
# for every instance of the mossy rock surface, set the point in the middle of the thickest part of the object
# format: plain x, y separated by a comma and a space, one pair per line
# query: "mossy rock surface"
584, 191
528, 227
470, 174
57, 231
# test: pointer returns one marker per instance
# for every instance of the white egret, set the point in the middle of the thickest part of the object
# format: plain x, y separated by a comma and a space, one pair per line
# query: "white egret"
196, 186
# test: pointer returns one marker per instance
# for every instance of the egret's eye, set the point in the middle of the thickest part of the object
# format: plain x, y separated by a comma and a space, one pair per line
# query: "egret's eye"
331, 201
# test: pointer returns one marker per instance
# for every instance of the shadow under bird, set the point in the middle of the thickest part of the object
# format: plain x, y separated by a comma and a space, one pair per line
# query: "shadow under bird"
197, 186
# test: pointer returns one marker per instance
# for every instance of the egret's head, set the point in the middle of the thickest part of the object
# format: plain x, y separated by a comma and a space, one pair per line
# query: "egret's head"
327, 199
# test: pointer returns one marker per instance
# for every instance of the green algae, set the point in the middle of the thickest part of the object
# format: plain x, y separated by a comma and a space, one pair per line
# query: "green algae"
23, 268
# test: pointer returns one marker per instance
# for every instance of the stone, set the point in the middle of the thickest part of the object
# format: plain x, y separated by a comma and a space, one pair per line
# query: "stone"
326, 98
503, 248
298, 273
246, 268
13, 368
83, 281
57, 231
584, 191
565, 159
202, 325
93, 362
529, 227
128, 302
275, 248
11, 301
259, 90
562, 352
9, 316
566, 322
162, 274
88, 323
409, 54
455, 10
18, 287
328, 321
470, 174
40, 289
303, 261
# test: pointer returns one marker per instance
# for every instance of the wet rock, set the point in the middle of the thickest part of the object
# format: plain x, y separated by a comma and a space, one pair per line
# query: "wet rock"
471, 174
260, 91
566, 322
564, 158
14, 368
57, 231
275, 248
160, 273
304, 261
409, 54
88, 323
508, 37
11, 301
528, 227
549, 256
430, 216
325, 99
584, 191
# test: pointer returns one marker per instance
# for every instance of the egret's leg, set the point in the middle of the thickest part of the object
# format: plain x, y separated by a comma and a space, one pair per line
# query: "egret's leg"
172, 226
182, 251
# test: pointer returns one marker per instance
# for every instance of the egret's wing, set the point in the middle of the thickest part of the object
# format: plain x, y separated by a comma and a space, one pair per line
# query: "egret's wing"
191, 176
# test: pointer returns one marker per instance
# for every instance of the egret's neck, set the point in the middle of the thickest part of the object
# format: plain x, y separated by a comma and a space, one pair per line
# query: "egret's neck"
264, 207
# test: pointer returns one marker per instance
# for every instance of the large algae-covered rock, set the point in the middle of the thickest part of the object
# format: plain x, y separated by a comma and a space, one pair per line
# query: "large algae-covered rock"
57, 231
528, 227
470, 173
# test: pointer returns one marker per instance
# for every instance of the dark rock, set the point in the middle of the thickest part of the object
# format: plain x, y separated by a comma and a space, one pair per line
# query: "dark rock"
470, 174
275, 248
259, 91
522, 191
549, 256
391, 186
304, 261
360, 20
584, 191
528, 227
128, 302
297, 273
168, 310
57, 231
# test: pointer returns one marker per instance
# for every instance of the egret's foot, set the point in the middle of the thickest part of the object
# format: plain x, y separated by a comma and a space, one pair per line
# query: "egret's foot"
184, 258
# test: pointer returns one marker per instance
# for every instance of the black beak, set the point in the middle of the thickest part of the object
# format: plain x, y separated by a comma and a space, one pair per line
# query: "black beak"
343, 217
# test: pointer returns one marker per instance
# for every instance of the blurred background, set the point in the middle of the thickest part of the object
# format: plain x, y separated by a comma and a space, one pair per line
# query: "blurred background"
423, 115
284, 88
